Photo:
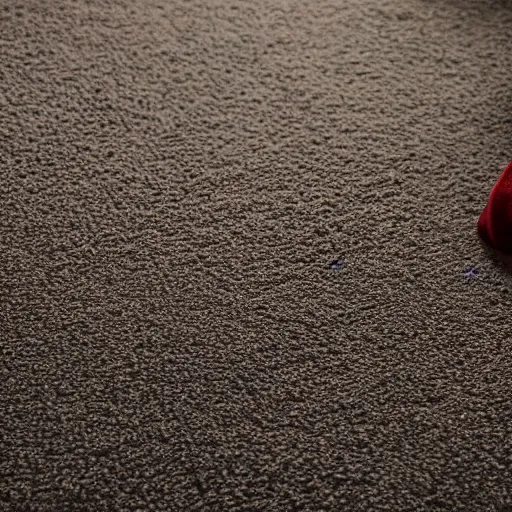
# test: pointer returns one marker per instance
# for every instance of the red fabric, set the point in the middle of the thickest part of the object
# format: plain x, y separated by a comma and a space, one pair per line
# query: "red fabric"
495, 222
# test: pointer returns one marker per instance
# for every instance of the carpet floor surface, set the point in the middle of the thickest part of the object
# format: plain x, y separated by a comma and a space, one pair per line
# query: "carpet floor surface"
239, 267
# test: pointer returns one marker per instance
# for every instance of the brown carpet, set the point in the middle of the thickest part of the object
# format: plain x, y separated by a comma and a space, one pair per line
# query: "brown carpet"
176, 179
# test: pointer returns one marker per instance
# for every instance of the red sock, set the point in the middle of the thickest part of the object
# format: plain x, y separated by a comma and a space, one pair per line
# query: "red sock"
495, 222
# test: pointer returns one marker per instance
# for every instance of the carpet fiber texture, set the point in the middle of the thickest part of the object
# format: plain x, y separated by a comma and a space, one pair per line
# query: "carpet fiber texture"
240, 268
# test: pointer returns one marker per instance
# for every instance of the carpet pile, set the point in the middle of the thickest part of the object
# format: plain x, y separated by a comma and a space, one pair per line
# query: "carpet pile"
240, 268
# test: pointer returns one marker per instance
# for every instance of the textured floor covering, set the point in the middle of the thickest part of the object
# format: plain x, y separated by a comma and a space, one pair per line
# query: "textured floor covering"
176, 178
